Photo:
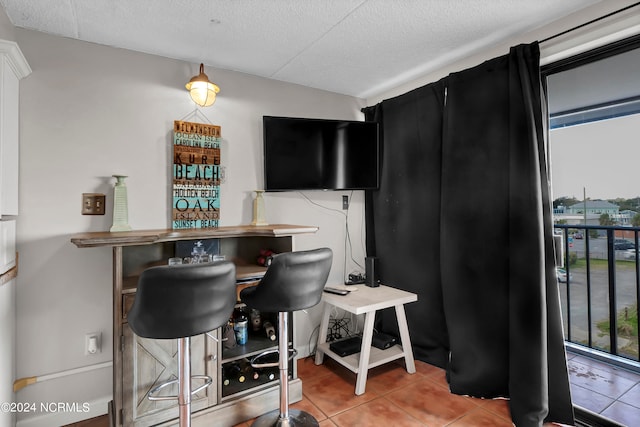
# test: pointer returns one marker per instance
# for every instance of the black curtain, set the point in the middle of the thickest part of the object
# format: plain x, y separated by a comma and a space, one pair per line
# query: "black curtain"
463, 219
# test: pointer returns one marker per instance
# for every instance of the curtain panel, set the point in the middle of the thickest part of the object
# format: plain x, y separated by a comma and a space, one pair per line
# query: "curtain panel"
463, 219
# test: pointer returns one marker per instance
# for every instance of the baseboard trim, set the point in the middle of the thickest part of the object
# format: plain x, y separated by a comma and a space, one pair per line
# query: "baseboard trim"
79, 412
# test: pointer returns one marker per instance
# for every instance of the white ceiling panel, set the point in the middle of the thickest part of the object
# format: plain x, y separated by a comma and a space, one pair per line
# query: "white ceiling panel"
354, 47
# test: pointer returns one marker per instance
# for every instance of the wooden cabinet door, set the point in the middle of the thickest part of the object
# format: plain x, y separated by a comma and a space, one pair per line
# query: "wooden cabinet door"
148, 363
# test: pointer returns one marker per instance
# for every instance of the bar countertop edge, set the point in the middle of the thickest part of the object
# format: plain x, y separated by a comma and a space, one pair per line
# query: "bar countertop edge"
141, 237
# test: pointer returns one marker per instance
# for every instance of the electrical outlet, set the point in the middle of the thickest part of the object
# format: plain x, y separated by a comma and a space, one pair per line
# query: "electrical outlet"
93, 204
345, 202
92, 343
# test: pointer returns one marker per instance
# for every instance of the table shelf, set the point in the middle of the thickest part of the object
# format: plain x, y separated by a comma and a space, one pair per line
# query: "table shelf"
377, 357
367, 300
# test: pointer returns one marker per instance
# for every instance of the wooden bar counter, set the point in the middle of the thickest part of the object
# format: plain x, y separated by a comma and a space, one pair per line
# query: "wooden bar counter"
140, 364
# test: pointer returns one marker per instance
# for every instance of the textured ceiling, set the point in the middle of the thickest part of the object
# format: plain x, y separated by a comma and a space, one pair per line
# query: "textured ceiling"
354, 47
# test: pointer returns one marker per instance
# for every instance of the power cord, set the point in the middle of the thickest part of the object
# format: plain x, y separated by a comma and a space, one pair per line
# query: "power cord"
313, 344
338, 329
348, 245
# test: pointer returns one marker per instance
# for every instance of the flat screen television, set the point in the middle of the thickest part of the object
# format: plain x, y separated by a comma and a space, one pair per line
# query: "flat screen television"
318, 154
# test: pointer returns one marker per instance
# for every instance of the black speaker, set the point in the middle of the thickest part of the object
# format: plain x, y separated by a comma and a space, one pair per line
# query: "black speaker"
371, 272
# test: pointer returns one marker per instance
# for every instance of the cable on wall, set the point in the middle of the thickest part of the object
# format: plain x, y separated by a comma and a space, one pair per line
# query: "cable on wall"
348, 246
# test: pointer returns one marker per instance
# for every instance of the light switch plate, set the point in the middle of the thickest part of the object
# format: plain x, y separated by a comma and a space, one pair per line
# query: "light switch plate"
93, 203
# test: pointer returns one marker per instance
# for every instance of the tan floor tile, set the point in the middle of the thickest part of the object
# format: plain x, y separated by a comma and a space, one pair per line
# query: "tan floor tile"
335, 393
426, 369
307, 406
387, 378
480, 417
439, 377
307, 368
431, 403
497, 406
378, 412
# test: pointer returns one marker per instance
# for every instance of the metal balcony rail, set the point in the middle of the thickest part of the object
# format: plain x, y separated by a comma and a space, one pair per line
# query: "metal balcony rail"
600, 289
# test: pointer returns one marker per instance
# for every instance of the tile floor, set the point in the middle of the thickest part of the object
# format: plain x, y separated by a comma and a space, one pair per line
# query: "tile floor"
392, 398
604, 389
395, 398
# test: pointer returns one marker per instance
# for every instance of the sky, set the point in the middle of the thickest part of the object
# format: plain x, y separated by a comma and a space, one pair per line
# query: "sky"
603, 157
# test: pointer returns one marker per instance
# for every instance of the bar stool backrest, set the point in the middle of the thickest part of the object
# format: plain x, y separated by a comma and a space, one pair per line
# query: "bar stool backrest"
183, 300
293, 281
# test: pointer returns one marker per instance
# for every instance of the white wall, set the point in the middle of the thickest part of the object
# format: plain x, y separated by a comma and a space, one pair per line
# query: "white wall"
90, 111
7, 30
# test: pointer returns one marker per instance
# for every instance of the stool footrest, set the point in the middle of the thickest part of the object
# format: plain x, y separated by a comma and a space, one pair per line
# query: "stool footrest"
292, 353
152, 396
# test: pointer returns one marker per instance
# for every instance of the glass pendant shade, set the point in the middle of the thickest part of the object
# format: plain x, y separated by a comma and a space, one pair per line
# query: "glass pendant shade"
202, 91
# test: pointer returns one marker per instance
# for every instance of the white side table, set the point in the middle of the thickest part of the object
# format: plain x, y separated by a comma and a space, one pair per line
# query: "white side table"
367, 301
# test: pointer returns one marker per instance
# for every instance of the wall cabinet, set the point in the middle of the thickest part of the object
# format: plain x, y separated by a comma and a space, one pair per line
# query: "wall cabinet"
13, 67
147, 363
140, 364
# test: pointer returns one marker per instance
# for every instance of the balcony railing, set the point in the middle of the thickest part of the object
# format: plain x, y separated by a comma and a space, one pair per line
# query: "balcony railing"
600, 288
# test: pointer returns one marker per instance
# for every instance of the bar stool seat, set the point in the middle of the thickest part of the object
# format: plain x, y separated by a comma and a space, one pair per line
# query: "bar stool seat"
178, 302
294, 281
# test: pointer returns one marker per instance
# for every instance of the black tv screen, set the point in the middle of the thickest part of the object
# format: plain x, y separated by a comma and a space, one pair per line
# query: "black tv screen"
317, 154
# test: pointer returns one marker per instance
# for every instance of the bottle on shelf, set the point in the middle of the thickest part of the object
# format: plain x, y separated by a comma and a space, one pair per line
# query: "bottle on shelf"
256, 320
230, 373
240, 326
269, 330
247, 370
269, 373
227, 373
240, 311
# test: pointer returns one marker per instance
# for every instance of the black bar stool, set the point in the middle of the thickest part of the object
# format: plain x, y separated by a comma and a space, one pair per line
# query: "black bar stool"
293, 281
178, 302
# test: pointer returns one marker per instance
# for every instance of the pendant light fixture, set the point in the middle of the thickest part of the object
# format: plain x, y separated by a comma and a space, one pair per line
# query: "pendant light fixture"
202, 91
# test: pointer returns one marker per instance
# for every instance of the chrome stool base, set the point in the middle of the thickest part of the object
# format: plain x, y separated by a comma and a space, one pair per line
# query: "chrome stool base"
296, 419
